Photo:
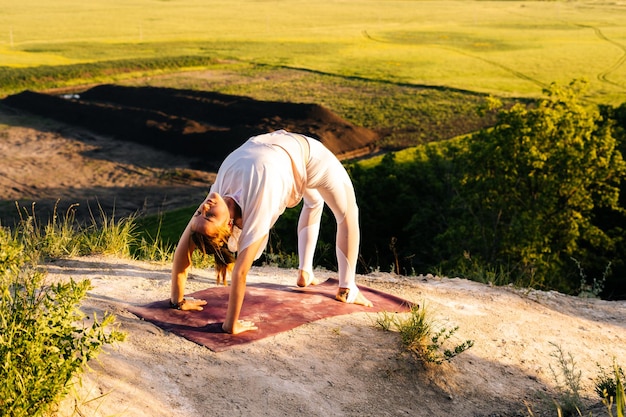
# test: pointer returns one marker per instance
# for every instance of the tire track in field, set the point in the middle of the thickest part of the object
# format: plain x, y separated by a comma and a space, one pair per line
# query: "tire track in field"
512, 71
516, 73
604, 75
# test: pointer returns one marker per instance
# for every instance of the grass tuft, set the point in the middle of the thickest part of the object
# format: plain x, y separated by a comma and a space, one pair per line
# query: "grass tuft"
610, 387
424, 336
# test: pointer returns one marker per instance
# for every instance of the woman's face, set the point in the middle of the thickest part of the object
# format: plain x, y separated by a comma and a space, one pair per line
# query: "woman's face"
210, 216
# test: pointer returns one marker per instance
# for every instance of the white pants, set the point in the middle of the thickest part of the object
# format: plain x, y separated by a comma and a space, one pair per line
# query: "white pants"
328, 182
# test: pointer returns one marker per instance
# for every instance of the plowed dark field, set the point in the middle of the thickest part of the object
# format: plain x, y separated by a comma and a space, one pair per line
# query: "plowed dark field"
203, 125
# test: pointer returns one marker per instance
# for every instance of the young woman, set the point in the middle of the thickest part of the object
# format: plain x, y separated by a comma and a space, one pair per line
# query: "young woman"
254, 186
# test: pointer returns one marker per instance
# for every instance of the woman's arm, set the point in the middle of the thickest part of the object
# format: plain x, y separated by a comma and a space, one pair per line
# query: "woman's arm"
232, 324
180, 268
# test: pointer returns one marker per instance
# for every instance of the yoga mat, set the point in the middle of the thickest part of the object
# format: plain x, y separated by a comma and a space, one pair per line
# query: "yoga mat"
273, 308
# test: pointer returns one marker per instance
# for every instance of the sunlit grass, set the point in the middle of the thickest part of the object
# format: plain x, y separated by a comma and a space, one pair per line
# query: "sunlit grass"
372, 104
508, 48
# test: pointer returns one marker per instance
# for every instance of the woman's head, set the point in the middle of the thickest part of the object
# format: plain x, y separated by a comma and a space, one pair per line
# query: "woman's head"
211, 227
212, 218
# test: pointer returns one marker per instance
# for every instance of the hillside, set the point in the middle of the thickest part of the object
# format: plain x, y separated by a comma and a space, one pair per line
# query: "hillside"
341, 366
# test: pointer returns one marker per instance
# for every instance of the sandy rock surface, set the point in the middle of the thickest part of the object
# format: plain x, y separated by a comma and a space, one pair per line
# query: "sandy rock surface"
345, 365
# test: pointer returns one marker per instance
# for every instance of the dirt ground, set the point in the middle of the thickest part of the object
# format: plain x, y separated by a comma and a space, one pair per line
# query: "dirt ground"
49, 163
342, 366
346, 365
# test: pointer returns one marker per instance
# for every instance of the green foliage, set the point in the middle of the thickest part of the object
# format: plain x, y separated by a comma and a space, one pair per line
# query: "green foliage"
282, 246
110, 236
384, 320
606, 382
153, 248
45, 340
282, 260
486, 46
44, 76
478, 271
513, 203
609, 386
423, 336
12, 253
569, 402
532, 182
62, 236
596, 287
165, 226
53, 239
620, 395
397, 205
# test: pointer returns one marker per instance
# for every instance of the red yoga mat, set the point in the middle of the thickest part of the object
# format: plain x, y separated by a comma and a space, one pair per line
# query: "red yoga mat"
273, 308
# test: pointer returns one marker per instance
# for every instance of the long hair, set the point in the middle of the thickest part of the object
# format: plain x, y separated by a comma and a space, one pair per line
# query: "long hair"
218, 247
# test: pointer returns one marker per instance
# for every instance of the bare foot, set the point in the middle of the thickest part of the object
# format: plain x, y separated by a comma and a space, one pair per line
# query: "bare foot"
304, 279
342, 295
239, 326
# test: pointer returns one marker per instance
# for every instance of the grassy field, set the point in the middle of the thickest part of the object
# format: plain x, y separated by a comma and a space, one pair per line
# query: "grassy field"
506, 48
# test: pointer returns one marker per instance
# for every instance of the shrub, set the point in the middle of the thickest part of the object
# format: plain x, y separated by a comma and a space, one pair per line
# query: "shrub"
542, 186
44, 338
533, 184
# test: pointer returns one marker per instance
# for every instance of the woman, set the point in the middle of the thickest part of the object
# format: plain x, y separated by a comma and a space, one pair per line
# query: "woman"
254, 186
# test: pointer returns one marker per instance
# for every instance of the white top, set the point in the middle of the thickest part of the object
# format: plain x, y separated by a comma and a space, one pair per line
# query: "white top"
264, 176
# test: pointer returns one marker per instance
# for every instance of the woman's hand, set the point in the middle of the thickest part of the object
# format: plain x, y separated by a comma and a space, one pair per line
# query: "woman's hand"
232, 324
239, 326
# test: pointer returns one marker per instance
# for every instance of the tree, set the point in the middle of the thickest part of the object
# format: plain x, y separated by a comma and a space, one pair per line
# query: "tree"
531, 184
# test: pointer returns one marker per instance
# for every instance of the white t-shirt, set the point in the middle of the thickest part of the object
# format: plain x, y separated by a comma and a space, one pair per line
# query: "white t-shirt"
264, 176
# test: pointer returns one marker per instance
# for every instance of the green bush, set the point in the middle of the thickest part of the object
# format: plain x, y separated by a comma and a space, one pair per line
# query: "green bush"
510, 204
45, 340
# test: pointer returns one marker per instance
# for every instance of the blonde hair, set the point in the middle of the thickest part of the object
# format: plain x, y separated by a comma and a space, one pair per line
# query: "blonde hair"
218, 247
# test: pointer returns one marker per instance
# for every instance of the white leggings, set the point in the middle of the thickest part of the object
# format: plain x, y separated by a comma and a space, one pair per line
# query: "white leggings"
328, 182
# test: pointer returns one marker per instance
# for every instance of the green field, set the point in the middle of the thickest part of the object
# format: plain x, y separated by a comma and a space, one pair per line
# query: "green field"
506, 48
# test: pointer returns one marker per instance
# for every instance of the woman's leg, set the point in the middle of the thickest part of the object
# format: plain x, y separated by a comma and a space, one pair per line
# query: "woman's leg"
331, 180
342, 203
308, 232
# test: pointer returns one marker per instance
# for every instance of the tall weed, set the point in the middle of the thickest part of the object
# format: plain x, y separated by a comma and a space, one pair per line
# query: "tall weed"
109, 236
569, 401
568, 382
596, 287
54, 239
